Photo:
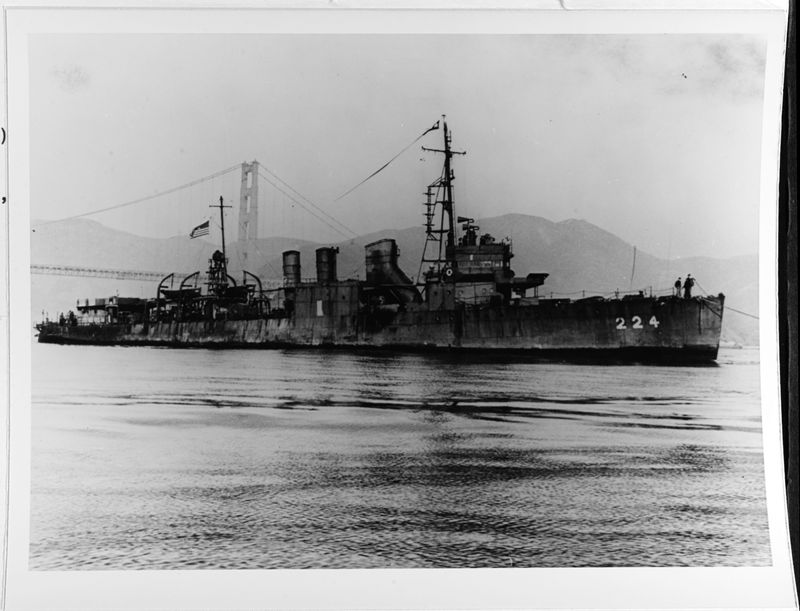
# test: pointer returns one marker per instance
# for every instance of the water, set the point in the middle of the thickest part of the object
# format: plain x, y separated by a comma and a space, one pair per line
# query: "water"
147, 458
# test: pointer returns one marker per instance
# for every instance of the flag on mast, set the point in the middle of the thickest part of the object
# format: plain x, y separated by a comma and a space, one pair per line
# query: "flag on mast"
201, 229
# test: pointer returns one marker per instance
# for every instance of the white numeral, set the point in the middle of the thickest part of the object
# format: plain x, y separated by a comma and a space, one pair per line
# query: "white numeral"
636, 322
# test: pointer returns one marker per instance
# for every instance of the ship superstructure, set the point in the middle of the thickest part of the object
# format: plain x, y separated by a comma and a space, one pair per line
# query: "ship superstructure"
466, 297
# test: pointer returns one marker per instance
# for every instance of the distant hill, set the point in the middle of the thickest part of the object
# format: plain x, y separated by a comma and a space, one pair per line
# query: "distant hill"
581, 258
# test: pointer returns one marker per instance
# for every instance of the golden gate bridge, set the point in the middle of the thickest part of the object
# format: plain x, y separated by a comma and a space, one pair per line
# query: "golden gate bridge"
253, 175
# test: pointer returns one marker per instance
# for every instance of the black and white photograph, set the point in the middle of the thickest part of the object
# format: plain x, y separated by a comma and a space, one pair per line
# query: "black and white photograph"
393, 298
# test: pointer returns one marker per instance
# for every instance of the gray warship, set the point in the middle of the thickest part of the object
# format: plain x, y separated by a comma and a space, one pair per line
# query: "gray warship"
468, 298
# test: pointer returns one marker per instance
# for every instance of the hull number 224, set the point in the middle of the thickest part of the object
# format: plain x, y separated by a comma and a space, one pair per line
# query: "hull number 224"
636, 323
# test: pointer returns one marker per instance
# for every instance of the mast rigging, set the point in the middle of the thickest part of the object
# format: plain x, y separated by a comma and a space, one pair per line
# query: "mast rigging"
442, 186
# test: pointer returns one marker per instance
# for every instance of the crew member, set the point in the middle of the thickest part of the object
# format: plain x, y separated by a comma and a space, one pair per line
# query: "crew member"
677, 291
687, 287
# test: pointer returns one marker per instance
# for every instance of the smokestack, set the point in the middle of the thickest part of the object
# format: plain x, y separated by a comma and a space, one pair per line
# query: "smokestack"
291, 268
326, 264
380, 260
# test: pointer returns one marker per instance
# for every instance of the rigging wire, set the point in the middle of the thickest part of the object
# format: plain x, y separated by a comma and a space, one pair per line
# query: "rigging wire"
141, 199
435, 126
727, 307
436, 197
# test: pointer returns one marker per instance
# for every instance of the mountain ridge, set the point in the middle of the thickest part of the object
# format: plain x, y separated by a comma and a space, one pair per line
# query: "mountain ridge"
580, 258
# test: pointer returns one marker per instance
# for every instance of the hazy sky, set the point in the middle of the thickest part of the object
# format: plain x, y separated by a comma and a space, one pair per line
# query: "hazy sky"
655, 138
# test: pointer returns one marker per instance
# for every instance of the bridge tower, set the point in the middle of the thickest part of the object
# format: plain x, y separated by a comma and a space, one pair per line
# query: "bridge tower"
248, 209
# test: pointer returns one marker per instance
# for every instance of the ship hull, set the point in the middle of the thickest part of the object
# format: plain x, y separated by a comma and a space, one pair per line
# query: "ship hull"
651, 329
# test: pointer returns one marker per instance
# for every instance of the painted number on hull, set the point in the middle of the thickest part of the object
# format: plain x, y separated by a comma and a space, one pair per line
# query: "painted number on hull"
636, 322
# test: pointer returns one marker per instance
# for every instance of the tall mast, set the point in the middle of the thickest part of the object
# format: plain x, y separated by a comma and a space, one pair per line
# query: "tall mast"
222, 227
447, 202
442, 187
223, 279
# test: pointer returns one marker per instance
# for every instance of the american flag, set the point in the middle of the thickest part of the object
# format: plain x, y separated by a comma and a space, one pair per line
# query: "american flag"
201, 229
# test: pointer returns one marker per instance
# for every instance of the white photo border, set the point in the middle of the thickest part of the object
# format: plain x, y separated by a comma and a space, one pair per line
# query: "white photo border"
570, 588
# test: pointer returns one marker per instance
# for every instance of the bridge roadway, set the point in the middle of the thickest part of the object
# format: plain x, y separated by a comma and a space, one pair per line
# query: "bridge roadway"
121, 274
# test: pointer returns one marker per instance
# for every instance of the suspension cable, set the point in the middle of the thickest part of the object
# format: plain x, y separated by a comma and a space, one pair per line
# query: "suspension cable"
306, 208
307, 200
141, 199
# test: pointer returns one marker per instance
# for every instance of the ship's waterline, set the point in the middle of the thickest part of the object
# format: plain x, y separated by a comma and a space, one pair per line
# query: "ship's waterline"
146, 458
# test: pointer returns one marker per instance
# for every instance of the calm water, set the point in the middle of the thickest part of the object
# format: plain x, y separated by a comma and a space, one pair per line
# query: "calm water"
150, 458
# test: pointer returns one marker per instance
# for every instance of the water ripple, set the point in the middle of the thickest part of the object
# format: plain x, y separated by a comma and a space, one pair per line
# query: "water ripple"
302, 459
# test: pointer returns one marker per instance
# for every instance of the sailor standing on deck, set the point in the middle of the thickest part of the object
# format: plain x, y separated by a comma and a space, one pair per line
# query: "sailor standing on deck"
687, 287
677, 291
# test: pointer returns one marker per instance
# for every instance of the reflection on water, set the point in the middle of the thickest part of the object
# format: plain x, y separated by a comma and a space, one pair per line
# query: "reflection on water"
153, 458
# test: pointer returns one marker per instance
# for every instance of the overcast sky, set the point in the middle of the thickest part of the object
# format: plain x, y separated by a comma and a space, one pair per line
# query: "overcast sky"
655, 138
